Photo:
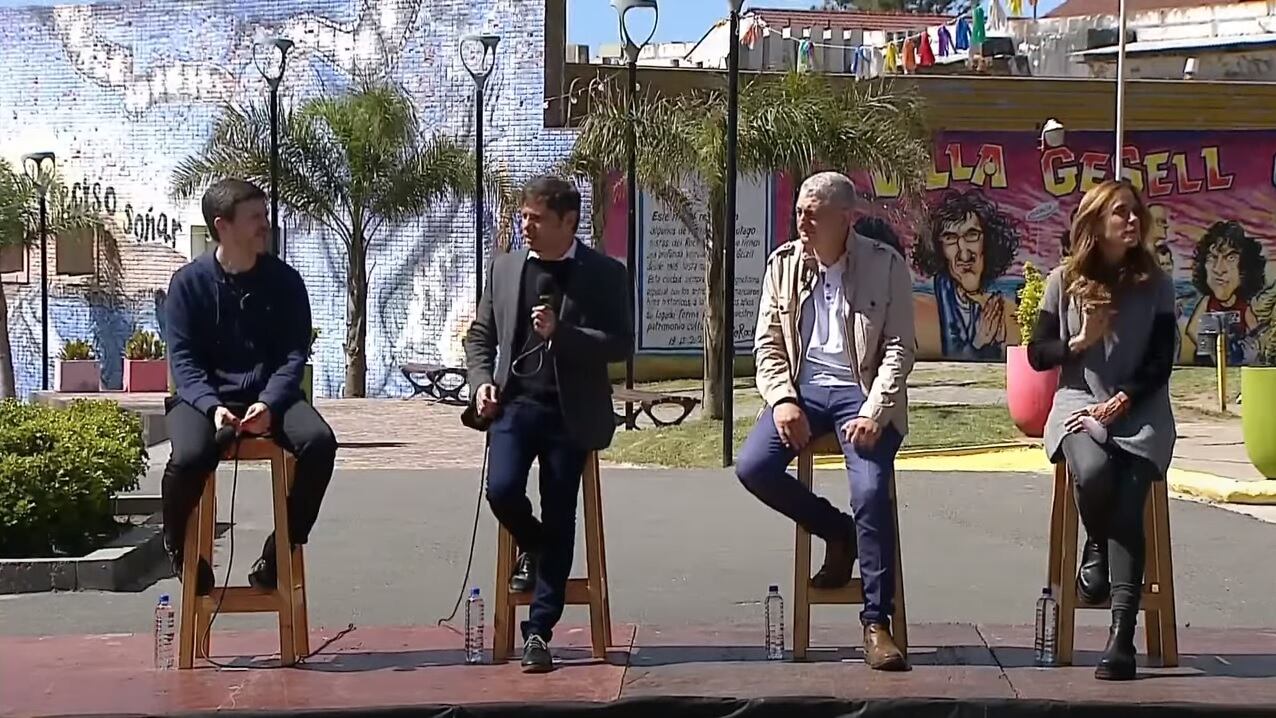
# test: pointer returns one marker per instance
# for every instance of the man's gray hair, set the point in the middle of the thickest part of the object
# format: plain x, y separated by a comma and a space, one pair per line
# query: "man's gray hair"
831, 187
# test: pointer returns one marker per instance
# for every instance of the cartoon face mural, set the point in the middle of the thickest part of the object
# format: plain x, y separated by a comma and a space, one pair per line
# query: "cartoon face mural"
1229, 270
970, 243
1160, 233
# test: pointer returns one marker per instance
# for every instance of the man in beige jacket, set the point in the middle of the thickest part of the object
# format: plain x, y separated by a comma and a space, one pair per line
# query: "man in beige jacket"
834, 347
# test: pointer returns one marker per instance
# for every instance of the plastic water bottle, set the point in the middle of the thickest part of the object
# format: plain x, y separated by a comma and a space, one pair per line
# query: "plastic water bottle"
773, 612
165, 620
1047, 639
474, 627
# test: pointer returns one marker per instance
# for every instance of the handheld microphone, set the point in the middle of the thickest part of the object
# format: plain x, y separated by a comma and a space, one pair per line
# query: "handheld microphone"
547, 292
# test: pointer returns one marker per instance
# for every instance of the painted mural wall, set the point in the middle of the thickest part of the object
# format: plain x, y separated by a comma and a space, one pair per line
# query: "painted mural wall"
996, 201
122, 92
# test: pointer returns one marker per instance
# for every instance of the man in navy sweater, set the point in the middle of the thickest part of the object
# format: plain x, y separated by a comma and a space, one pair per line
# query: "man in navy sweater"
238, 332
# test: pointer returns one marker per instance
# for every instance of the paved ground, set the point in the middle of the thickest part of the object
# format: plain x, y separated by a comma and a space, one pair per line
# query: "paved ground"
686, 548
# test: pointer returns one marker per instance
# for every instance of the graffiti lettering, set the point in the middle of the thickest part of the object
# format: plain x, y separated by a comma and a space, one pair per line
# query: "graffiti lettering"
1159, 173
104, 199
987, 170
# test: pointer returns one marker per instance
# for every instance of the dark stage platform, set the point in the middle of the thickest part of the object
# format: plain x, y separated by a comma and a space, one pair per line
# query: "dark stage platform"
959, 670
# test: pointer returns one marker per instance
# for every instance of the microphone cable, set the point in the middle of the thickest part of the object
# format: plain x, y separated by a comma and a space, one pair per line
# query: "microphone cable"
230, 563
469, 562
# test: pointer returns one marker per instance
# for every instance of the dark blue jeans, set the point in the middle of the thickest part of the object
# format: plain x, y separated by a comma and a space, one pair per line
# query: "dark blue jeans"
528, 430
763, 469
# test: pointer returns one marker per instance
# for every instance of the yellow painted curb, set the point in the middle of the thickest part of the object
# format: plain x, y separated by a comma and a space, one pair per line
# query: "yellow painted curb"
1021, 459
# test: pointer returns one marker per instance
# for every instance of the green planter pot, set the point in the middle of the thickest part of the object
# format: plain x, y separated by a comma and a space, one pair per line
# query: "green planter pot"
308, 383
1258, 393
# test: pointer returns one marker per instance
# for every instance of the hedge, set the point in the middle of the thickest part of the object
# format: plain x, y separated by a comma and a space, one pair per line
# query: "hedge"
59, 468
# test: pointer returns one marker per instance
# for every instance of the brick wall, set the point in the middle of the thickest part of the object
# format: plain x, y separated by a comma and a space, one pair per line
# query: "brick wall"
123, 92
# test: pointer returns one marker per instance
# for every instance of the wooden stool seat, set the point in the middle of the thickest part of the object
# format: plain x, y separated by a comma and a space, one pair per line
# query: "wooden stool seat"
288, 600
1157, 602
590, 590
805, 595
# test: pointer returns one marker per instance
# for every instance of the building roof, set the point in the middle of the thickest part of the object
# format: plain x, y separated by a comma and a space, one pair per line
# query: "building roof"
849, 19
1219, 44
1078, 8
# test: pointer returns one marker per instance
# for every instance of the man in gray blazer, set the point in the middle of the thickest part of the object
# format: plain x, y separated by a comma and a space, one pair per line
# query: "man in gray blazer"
552, 317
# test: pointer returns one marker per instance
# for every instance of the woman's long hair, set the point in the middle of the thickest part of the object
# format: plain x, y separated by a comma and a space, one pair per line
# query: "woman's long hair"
1089, 279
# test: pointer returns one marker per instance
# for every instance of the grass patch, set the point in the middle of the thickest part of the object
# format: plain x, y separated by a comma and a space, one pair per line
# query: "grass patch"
698, 444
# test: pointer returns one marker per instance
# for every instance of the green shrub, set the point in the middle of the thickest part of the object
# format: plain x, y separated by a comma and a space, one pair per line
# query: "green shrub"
144, 346
59, 468
1030, 296
77, 350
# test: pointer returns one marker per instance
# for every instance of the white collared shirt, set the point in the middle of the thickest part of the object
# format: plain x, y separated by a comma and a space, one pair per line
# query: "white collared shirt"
827, 359
569, 254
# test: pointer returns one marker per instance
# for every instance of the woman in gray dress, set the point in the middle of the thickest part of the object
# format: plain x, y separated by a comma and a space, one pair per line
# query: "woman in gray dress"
1108, 320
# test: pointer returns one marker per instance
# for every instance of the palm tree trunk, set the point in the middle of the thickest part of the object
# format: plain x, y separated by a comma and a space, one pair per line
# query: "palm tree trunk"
8, 384
715, 339
357, 317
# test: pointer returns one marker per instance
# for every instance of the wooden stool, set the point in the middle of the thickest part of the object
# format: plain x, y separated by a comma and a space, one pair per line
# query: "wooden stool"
288, 601
805, 595
1157, 602
591, 590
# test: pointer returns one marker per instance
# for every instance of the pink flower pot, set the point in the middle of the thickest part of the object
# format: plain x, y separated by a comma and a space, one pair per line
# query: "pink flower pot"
1029, 393
78, 376
145, 375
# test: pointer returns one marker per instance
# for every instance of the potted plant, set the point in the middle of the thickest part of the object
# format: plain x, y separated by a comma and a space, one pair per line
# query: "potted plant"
145, 368
78, 370
1258, 391
1029, 393
308, 374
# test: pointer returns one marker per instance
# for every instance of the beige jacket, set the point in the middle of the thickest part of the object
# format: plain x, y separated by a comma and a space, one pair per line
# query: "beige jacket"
880, 326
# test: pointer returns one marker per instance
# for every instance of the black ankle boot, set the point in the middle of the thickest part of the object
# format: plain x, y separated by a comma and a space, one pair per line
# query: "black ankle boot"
1093, 584
1117, 663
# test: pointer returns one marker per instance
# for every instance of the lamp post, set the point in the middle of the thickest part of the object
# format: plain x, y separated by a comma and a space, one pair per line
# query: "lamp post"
632, 50
34, 167
272, 69
1120, 93
728, 244
480, 73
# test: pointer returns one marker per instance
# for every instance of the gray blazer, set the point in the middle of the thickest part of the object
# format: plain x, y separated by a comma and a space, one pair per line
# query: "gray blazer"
595, 328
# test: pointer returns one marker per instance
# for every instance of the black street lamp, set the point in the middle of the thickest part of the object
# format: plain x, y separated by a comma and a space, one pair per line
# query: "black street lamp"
728, 244
480, 72
632, 51
34, 167
271, 68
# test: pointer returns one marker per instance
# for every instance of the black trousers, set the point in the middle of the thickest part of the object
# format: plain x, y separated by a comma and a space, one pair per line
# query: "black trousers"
1111, 489
300, 430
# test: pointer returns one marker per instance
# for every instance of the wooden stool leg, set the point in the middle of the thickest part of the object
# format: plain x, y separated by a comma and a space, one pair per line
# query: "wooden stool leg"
599, 617
802, 570
1058, 509
602, 551
207, 519
1151, 579
503, 611
1163, 557
1067, 570
189, 622
899, 620
283, 560
297, 588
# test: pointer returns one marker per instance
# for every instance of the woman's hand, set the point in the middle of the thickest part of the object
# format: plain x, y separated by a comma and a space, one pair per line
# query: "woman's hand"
1094, 326
1105, 413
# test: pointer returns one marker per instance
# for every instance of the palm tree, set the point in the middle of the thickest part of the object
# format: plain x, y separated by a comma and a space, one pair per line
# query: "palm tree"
796, 122
20, 227
353, 163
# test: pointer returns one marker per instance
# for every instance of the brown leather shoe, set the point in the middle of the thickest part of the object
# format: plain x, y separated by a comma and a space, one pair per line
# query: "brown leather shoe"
880, 651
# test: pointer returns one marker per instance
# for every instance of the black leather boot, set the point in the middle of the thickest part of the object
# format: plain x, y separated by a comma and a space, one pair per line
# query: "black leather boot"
1117, 663
1093, 583
839, 562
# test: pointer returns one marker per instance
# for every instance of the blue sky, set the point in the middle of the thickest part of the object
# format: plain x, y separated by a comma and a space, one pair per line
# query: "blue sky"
593, 22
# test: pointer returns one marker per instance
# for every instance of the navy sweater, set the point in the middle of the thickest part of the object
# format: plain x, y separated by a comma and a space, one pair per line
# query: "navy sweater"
238, 338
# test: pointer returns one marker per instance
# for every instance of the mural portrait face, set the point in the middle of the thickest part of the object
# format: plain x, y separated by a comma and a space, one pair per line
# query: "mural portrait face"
970, 241
1159, 234
1223, 270
963, 246
1229, 263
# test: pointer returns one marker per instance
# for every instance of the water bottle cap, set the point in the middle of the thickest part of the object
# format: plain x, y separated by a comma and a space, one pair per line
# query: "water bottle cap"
774, 588
474, 592
164, 599
1045, 591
